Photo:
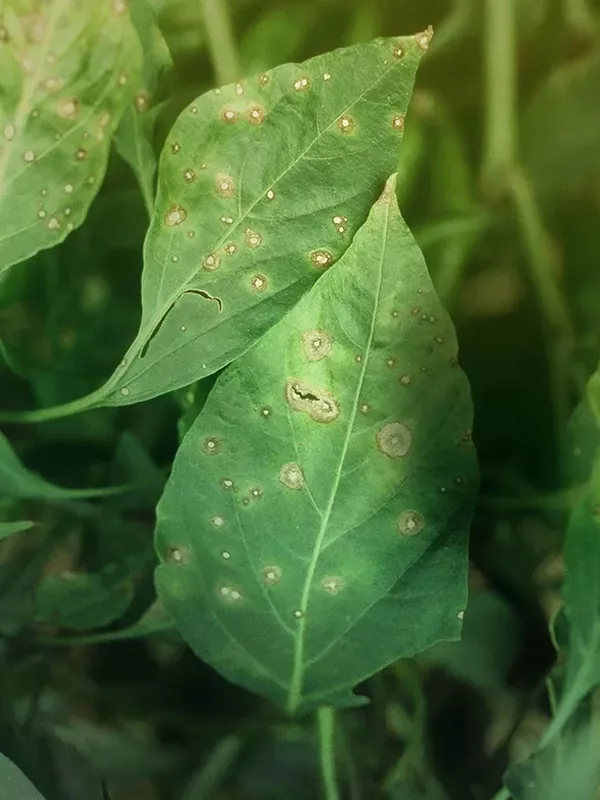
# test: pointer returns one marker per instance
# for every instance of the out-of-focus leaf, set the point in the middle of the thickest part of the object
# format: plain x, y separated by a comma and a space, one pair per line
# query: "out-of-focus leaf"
562, 155
84, 601
66, 75
488, 644
154, 621
277, 36
314, 527
113, 753
135, 136
581, 590
11, 528
411, 158
17, 482
13, 784
262, 186
570, 767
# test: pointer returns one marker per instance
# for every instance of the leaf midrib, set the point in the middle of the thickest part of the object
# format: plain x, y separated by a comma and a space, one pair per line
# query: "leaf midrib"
297, 672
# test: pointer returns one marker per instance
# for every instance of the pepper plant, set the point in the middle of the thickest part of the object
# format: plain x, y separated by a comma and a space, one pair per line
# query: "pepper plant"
296, 360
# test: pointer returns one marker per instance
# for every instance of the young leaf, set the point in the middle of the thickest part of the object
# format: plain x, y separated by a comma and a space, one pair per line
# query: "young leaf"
66, 72
14, 784
262, 186
134, 137
314, 527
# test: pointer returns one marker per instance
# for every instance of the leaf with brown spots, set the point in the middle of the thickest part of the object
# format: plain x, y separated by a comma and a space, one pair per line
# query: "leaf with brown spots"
135, 136
356, 552
262, 186
67, 73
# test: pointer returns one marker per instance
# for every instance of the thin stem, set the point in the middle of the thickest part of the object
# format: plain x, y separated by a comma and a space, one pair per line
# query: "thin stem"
500, 146
221, 42
503, 794
326, 725
554, 309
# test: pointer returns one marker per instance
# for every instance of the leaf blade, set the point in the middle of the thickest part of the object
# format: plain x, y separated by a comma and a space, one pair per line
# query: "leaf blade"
246, 204
307, 563
65, 78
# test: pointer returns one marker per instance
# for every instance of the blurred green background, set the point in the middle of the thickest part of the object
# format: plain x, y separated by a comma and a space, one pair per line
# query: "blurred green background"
500, 182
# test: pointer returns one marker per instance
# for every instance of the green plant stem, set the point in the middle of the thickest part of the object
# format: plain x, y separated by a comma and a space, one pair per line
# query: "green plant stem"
221, 42
326, 725
503, 794
500, 146
503, 175
554, 310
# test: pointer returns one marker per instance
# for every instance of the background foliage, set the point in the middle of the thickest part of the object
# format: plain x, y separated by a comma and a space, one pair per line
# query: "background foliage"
502, 192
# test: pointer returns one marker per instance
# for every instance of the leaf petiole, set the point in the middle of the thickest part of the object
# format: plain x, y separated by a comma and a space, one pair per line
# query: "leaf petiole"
326, 729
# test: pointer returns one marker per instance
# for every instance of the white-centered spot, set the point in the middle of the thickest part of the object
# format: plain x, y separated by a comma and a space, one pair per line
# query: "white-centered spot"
302, 84
211, 262
252, 239
410, 523
259, 283
332, 584
271, 575
217, 521
175, 215
394, 439
292, 476
125, 391
211, 445
29, 156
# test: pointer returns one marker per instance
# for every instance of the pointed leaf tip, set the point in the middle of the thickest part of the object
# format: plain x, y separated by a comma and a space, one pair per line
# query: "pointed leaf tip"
389, 191
424, 38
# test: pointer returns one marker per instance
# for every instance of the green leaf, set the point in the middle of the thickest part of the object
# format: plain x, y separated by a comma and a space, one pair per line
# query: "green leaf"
19, 483
135, 136
66, 76
84, 602
10, 528
262, 186
14, 784
570, 768
314, 527
488, 645
570, 93
581, 591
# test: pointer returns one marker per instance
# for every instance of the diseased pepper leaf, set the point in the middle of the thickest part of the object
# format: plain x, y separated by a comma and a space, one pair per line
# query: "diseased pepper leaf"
314, 527
262, 186
135, 136
67, 73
